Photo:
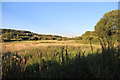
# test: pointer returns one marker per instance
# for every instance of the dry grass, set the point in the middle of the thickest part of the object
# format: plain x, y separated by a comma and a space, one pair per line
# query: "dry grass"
22, 45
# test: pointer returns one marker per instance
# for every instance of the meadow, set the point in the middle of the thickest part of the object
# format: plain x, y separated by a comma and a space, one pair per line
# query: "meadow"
22, 45
58, 59
94, 54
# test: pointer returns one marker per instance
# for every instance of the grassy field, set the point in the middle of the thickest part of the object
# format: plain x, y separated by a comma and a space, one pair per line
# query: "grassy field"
58, 59
23, 45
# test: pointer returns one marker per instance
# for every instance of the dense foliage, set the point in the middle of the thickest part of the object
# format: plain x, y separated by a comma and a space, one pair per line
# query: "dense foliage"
18, 35
90, 34
109, 27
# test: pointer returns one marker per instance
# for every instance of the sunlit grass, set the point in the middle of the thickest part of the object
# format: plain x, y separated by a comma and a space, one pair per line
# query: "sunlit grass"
23, 45
46, 59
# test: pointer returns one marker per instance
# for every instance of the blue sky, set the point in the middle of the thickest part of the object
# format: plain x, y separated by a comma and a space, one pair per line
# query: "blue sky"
57, 18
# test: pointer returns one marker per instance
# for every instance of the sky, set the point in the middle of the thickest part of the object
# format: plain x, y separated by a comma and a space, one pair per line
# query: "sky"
67, 19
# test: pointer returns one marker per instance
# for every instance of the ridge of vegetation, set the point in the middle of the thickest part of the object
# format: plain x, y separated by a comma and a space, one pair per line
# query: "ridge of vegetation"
20, 35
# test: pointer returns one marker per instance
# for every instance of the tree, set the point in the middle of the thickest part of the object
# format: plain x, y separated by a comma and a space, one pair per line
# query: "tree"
89, 34
8, 36
108, 26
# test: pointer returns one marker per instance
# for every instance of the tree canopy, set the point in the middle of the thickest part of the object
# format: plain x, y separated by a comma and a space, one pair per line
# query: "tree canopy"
108, 24
109, 27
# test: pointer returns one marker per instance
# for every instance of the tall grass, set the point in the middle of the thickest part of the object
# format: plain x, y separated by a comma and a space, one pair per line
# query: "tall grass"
61, 62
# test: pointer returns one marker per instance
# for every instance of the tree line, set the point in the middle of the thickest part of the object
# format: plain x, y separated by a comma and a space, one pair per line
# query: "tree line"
20, 35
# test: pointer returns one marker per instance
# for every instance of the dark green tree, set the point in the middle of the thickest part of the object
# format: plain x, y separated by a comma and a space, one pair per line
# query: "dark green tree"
108, 27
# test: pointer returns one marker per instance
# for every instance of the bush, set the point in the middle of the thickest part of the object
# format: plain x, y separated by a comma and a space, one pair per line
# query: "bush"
33, 38
59, 39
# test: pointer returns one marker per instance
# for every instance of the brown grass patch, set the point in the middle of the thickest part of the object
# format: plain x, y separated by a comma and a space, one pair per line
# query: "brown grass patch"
17, 46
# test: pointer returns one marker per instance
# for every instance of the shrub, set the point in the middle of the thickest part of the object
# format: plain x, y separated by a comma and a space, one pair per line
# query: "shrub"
59, 39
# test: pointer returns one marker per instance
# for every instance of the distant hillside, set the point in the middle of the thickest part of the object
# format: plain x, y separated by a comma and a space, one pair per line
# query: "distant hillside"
19, 35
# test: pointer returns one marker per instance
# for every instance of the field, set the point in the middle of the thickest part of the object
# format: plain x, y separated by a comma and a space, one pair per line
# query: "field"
58, 59
23, 45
